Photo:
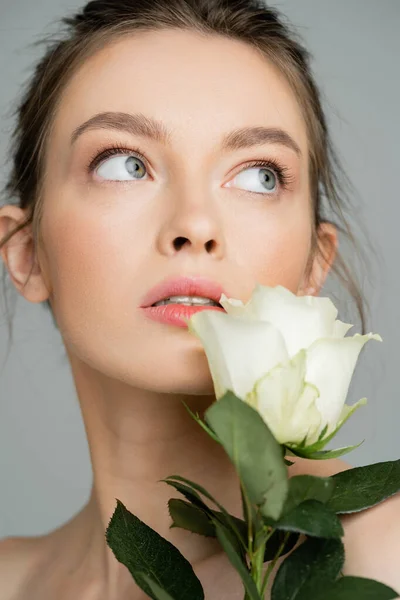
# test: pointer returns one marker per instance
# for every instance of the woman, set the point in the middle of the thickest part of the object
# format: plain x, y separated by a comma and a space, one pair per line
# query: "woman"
162, 140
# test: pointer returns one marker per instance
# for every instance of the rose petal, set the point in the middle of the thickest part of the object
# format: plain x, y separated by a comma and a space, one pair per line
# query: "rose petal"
239, 351
340, 329
330, 366
301, 319
288, 404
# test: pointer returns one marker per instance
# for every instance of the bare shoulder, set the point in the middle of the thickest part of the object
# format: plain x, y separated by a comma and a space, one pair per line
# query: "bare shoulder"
372, 542
18, 559
371, 537
319, 468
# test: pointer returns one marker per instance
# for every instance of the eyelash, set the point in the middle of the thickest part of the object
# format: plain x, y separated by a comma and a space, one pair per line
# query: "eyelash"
282, 172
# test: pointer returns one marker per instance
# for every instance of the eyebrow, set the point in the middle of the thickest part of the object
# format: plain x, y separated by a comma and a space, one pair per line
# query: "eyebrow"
141, 125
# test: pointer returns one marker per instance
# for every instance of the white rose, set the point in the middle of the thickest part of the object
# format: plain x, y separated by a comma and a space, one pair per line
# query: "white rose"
287, 356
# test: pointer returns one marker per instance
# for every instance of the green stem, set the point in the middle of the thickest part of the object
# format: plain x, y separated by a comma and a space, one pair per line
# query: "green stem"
246, 504
257, 565
273, 563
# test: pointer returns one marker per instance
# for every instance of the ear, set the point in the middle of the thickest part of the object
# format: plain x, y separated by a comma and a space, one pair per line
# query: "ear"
323, 260
19, 255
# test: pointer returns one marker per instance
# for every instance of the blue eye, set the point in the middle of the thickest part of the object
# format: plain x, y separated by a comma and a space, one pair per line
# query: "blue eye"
261, 180
129, 164
122, 168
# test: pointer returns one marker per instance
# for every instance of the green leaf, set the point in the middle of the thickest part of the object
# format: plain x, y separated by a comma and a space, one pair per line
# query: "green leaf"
362, 487
312, 518
247, 509
172, 479
308, 487
322, 434
310, 568
357, 588
158, 592
188, 492
347, 411
315, 452
191, 494
251, 515
196, 417
254, 451
192, 518
229, 519
324, 454
141, 549
188, 516
226, 542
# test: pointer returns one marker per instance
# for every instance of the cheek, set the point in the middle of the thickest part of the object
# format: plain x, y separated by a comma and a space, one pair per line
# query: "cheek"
90, 265
277, 249
78, 255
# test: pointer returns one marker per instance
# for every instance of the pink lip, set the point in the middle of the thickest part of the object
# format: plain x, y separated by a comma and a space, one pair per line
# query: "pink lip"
184, 286
175, 314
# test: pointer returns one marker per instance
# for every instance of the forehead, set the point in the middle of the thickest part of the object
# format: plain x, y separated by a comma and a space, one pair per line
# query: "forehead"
199, 86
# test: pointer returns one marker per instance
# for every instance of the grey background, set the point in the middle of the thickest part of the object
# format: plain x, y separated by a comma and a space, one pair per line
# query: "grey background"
45, 472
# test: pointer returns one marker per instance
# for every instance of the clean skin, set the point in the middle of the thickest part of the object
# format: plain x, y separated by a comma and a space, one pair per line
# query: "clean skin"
108, 236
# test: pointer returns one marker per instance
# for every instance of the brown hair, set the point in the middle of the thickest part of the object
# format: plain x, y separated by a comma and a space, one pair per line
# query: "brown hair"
103, 21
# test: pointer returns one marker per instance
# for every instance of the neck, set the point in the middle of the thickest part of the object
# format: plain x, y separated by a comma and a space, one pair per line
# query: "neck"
137, 437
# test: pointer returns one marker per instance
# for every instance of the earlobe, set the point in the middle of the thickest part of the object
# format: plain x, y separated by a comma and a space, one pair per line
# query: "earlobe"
328, 235
18, 255
328, 245
323, 260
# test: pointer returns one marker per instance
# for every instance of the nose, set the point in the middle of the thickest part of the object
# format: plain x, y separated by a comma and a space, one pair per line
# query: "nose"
193, 226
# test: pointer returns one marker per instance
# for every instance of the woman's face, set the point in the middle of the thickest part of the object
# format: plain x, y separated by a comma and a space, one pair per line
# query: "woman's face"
108, 234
